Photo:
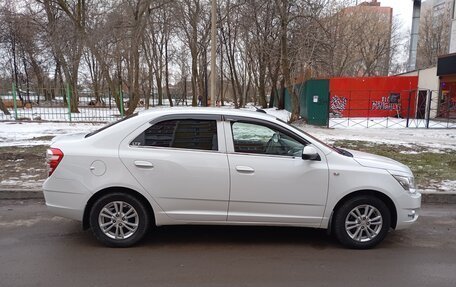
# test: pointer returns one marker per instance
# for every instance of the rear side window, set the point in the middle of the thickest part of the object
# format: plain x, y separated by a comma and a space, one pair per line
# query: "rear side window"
188, 134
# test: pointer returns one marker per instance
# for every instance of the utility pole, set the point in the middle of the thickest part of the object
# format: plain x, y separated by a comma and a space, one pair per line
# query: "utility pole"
213, 53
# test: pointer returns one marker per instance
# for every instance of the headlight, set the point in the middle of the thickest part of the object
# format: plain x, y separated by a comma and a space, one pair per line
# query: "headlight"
407, 182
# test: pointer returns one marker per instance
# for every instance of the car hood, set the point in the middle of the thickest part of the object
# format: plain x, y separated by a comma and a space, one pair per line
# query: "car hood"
68, 138
377, 161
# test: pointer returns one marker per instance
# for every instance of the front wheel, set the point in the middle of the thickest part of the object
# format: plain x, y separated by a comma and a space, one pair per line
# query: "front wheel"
362, 222
119, 220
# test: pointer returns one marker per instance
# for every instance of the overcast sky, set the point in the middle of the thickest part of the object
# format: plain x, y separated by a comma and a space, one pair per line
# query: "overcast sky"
402, 11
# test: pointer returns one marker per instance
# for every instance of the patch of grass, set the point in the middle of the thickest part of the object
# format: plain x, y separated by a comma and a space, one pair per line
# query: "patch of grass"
427, 166
22, 163
22, 152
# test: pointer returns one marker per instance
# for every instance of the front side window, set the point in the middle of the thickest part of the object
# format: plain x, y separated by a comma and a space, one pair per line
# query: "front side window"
260, 139
186, 133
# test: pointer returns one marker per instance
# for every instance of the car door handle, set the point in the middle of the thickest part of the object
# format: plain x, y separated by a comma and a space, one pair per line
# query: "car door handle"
143, 163
244, 169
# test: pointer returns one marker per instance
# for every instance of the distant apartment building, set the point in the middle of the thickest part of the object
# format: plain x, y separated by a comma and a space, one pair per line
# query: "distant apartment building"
382, 18
358, 44
434, 31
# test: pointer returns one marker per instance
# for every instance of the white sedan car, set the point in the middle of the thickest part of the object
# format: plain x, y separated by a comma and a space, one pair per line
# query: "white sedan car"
217, 166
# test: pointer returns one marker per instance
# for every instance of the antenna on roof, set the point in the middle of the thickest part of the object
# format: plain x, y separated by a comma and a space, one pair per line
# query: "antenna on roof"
260, 110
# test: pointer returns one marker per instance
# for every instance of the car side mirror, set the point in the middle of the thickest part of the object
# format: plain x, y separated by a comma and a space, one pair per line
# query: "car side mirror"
310, 153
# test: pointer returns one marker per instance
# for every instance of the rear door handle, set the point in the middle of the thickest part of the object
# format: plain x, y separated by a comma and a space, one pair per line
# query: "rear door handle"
143, 163
244, 169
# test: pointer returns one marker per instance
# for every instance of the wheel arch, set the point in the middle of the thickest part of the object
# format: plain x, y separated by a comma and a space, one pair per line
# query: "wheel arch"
380, 195
108, 190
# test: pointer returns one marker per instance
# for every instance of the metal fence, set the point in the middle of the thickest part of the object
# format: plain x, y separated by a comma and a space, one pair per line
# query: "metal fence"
347, 108
391, 109
55, 104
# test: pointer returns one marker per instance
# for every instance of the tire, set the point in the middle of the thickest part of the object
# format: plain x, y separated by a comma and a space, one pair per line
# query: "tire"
362, 222
119, 220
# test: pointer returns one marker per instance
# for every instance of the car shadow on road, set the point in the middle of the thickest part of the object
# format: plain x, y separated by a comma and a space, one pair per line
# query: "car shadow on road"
239, 235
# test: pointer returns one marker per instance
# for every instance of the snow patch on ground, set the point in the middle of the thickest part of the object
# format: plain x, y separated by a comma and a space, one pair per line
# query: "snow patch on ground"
24, 182
409, 152
443, 186
432, 140
387, 122
34, 133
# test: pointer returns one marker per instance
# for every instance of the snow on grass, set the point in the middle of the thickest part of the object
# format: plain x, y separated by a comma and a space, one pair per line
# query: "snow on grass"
448, 186
35, 133
409, 152
433, 140
386, 122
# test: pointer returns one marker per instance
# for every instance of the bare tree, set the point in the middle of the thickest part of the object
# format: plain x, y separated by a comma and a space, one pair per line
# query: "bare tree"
193, 20
260, 20
133, 47
66, 21
96, 76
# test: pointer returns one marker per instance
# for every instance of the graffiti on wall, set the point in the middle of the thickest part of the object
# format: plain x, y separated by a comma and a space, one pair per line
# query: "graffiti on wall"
386, 104
337, 105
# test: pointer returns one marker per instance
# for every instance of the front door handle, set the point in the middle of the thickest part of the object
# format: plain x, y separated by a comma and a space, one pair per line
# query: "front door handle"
143, 163
244, 169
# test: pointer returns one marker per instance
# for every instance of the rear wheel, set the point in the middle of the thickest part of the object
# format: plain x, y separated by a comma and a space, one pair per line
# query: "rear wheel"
119, 220
362, 222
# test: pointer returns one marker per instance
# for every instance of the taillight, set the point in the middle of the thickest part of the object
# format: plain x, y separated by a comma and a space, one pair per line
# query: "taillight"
53, 158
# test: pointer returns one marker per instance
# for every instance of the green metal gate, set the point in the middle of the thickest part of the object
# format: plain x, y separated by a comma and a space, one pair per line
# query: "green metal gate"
315, 102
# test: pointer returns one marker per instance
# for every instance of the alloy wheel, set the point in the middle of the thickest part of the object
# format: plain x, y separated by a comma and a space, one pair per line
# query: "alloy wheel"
363, 223
118, 220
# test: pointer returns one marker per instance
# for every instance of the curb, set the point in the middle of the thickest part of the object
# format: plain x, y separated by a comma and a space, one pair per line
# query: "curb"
8, 194
439, 197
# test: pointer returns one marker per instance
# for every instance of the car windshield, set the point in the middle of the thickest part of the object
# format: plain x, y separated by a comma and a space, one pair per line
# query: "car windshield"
110, 125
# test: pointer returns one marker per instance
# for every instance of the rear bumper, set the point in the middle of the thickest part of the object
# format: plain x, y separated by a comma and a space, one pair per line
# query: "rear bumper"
65, 198
65, 211
408, 210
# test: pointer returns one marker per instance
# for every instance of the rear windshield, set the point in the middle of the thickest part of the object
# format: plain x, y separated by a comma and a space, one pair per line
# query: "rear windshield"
110, 125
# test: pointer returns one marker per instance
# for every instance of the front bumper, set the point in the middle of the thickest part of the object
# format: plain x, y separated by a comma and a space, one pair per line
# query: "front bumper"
408, 209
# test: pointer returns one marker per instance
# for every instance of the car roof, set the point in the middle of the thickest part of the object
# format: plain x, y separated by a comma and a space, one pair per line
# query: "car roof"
206, 111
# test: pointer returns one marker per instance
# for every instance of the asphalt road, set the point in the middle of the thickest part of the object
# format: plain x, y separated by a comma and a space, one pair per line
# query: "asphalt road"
39, 249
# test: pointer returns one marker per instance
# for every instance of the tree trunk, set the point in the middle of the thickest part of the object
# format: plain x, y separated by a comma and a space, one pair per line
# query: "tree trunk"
3, 108
134, 95
262, 84
281, 103
168, 94
286, 61
15, 73
194, 79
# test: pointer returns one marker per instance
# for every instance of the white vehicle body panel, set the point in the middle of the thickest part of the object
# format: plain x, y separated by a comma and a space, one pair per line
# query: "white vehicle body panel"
278, 189
219, 187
